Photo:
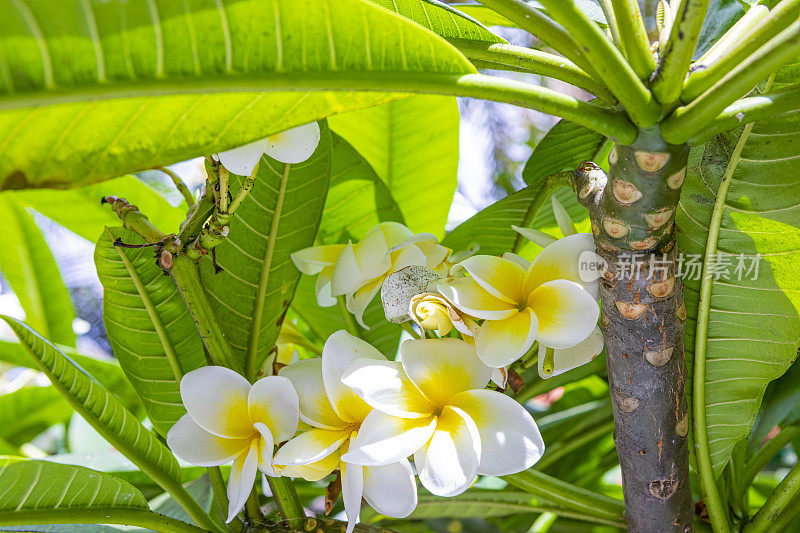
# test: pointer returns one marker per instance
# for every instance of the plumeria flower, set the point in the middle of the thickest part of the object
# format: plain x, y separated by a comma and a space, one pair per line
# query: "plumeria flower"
230, 420
433, 404
290, 146
431, 311
357, 270
335, 414
520, 303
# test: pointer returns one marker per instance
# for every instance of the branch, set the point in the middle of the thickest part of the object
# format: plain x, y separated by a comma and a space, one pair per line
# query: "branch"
535, 61
740, 112
633, 37
679, 50
688, 120
534, 21
179, 184
746, 36
777, 502
608, 62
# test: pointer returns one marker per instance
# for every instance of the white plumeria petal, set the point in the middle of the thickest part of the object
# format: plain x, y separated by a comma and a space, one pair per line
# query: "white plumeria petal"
340, 350
358, 301
294, 145
534, 235
323, 288
315, 407
396, 234
441, 368
273, 401
314, 471
448, 464
352, 491
312, 260
500, 377
561, 260
216, 398
384, 439
384, 385
521, 261
435, 252
346, 276
568, 358
501, 342
567, 313
265, 448
510, 439
310, 447
469, 297
372, 254
240, 483
243, 159
197, 446
563, 219
391, 489
502, 278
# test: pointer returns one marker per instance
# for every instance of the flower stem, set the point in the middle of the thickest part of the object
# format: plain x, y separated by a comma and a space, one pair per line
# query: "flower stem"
535, 61
221, 496
179, 184
609, 62
633, 37
778, 51
678, 52
350, 324
286, 497
783, 494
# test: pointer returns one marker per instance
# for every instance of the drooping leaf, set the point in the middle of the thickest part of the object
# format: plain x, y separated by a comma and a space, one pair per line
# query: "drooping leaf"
28, 488
440, 18
280, 216
31, 270
105, 370
28, 411
99, 407
357, 200
412, 144
148, 326
759, 229
126, 86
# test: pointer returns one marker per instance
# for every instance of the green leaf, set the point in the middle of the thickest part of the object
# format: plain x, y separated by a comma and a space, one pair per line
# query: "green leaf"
440, 18
722, 14
565, 146
252, 293
29, 267
488, 17
80, 211
148, 325
780, 407
761, 215
412, 144
199, 489
141, 83
26, 412
99, 407
104, 370
28, 486
357, 200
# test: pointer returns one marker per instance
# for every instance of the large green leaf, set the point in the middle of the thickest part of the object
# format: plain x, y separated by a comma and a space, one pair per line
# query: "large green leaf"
99, 407
31, 270
357, 200
28, 411
412, 144
105, 370
564, 147
148, 326
41, 492
753, 324
280, 216
29, 486
139, 83
440, 18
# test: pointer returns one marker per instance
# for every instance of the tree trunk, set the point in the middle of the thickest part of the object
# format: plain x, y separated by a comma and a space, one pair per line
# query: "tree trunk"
632, 213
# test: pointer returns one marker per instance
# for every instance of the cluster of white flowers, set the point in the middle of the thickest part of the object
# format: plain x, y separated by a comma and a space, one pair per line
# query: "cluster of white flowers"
366, 415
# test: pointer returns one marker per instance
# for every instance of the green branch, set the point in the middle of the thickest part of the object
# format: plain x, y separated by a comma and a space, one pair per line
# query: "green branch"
633, 37
745, 38
179, 184
285, 496
677, 56
536, 62
783, 494
765, 454
611, 18
740, 112
688, 120
129, 517
717, 512
609, 62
